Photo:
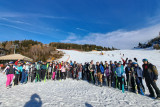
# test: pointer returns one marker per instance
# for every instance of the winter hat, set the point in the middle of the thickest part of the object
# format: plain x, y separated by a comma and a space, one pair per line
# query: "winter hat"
19, 62
11, 62
135, 63
27, 63
145, 60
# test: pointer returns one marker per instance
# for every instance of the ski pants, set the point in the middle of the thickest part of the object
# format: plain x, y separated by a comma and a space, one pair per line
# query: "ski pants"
16, 80
79, 75
120, 81
99, 75
43, 74
53, 75
9, 79
24, 76
153, 84
63, 75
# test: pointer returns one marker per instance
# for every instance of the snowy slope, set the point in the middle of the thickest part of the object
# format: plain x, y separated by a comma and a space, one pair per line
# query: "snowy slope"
72, 93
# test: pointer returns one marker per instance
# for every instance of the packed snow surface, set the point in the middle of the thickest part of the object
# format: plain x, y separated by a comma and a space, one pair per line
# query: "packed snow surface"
73, 93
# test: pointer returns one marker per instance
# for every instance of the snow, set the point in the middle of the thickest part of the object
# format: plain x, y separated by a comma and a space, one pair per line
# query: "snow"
73, 93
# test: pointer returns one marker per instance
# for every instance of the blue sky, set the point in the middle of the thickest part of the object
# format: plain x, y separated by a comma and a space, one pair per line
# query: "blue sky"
118, 23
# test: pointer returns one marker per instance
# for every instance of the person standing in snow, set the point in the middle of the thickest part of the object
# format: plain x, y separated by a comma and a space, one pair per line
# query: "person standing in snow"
74, 70
17, 73
59, 71
139, 75
107, 73
120, 74
91, 68
54, 71
150, 74
10, 71
43, 70
100, 72
80, 68
63, 70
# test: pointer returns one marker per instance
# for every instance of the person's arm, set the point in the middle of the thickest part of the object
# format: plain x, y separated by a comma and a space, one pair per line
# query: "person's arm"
5, 69
124, 62
155, 73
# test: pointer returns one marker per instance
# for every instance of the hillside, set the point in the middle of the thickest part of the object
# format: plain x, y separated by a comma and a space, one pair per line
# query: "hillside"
85, 47
153, 43
33, 49
39, 51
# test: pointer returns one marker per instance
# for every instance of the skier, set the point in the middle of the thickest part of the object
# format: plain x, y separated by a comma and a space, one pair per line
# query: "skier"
17, 74
50, 70
43, 70
100, 72
107, 74
59, 71
91, 69
54, 71
128, 72
10, 71
24, 74
74, 72
63, 70
120, 74
150, 74
38, 71
139, 75
80, 68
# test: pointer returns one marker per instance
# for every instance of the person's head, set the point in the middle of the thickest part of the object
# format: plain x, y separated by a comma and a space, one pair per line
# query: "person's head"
115, 62
11, 63
111, 62
130, 61
75, 62
97, 63
91, 61
19, 64
119, 64
107, 65
129, 65
145, 61
135, 64
101, 63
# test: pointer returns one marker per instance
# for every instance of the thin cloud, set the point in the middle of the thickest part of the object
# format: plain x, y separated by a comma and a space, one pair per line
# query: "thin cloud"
121, 39
11, 26
82, 29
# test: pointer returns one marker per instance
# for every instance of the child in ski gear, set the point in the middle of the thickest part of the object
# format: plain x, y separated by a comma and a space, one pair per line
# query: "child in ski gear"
10, 71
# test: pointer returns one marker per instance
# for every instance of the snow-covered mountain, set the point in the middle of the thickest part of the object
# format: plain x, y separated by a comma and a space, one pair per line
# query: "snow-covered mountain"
73, 93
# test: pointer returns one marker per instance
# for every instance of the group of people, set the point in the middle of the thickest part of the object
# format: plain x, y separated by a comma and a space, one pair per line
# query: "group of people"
125, 74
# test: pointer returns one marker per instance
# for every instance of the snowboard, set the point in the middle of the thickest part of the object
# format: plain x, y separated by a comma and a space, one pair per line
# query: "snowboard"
122, 85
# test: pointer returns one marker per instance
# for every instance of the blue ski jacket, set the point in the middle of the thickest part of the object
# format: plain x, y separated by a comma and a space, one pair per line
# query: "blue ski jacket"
120, 71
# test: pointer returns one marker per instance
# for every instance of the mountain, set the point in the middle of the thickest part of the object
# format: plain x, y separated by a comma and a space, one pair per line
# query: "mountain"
153, 43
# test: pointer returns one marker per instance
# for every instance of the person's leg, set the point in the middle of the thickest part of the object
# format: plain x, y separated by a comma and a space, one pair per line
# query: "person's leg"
26, 76
8, 79
154, 85
16, 80
12, 75
148, 83
23, 77
53, 75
